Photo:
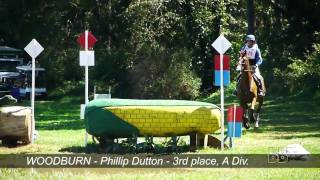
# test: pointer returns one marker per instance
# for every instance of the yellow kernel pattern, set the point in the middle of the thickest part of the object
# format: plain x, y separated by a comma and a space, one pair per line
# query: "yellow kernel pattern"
169, 120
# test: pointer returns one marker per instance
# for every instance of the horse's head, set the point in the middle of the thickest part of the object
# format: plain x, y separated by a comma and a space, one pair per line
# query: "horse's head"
244, 63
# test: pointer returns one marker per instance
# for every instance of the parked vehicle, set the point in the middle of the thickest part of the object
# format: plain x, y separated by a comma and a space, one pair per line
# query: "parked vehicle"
9, 60
25, 81
15, 78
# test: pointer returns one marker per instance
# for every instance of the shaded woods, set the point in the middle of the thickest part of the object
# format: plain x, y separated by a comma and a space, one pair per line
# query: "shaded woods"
161, 48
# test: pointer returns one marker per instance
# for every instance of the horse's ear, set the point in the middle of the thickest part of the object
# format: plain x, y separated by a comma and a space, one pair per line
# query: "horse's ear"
243, 53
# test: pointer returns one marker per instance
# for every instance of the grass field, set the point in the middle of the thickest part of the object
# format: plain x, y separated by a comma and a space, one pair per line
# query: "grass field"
286, 120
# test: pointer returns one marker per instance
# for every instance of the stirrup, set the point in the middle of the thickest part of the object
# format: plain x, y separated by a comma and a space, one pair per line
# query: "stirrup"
261, 93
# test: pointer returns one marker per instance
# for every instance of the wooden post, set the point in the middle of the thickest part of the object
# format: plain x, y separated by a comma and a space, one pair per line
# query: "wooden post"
193, 141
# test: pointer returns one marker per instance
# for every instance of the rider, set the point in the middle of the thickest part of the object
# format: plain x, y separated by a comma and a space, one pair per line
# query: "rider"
252, 52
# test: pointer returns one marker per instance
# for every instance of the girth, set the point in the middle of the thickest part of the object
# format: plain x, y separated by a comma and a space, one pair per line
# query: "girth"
252, 62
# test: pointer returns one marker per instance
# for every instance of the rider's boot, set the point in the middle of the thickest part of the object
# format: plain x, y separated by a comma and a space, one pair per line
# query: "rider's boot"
260, 91
261, 88
260, 85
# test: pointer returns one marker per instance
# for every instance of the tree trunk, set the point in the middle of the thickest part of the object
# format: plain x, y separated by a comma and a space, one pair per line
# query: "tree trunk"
250, 16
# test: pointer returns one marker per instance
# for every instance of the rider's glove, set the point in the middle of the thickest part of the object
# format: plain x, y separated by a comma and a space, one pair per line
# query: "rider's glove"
254, 67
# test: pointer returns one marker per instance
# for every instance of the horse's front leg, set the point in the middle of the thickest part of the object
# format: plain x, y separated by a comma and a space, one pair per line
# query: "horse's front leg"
245, 122
251, 110
254, 100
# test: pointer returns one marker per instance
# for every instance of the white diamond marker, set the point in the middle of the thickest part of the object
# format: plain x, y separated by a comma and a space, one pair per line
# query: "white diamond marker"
34, 48
221, 44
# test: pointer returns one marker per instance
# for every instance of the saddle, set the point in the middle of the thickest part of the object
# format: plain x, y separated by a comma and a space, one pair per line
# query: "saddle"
257, 82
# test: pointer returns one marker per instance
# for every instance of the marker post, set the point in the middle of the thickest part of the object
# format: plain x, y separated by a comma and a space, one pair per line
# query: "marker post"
33, 49
221, 44
86, 59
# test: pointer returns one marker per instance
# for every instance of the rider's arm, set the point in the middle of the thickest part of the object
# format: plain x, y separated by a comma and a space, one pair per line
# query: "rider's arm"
258, 57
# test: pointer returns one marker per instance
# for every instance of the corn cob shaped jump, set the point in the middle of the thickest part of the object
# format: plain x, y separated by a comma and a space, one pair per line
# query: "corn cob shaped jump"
117, 118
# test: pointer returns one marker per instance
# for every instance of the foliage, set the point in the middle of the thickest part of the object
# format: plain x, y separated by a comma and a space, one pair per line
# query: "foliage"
288, 37
164, 75
305, 74
135, 34
68, 88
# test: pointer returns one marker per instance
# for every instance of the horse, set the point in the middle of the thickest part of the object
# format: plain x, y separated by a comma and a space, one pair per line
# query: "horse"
247, 93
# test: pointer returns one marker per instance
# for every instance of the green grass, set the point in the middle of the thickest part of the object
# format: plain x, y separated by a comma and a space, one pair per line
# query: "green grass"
286, 120
181, 174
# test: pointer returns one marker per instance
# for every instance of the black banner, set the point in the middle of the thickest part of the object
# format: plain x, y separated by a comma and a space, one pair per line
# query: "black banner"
159, 161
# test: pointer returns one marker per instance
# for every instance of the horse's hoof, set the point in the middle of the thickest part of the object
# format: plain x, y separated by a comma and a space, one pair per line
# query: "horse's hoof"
246, 125
256, 126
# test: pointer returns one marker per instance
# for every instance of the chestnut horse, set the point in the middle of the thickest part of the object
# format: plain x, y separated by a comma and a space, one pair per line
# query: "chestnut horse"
247, 92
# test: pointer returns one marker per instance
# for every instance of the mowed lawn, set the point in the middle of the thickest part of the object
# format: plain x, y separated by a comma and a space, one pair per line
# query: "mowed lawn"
285, 120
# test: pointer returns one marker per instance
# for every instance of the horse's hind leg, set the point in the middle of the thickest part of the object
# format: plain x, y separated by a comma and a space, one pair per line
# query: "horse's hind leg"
260, 101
